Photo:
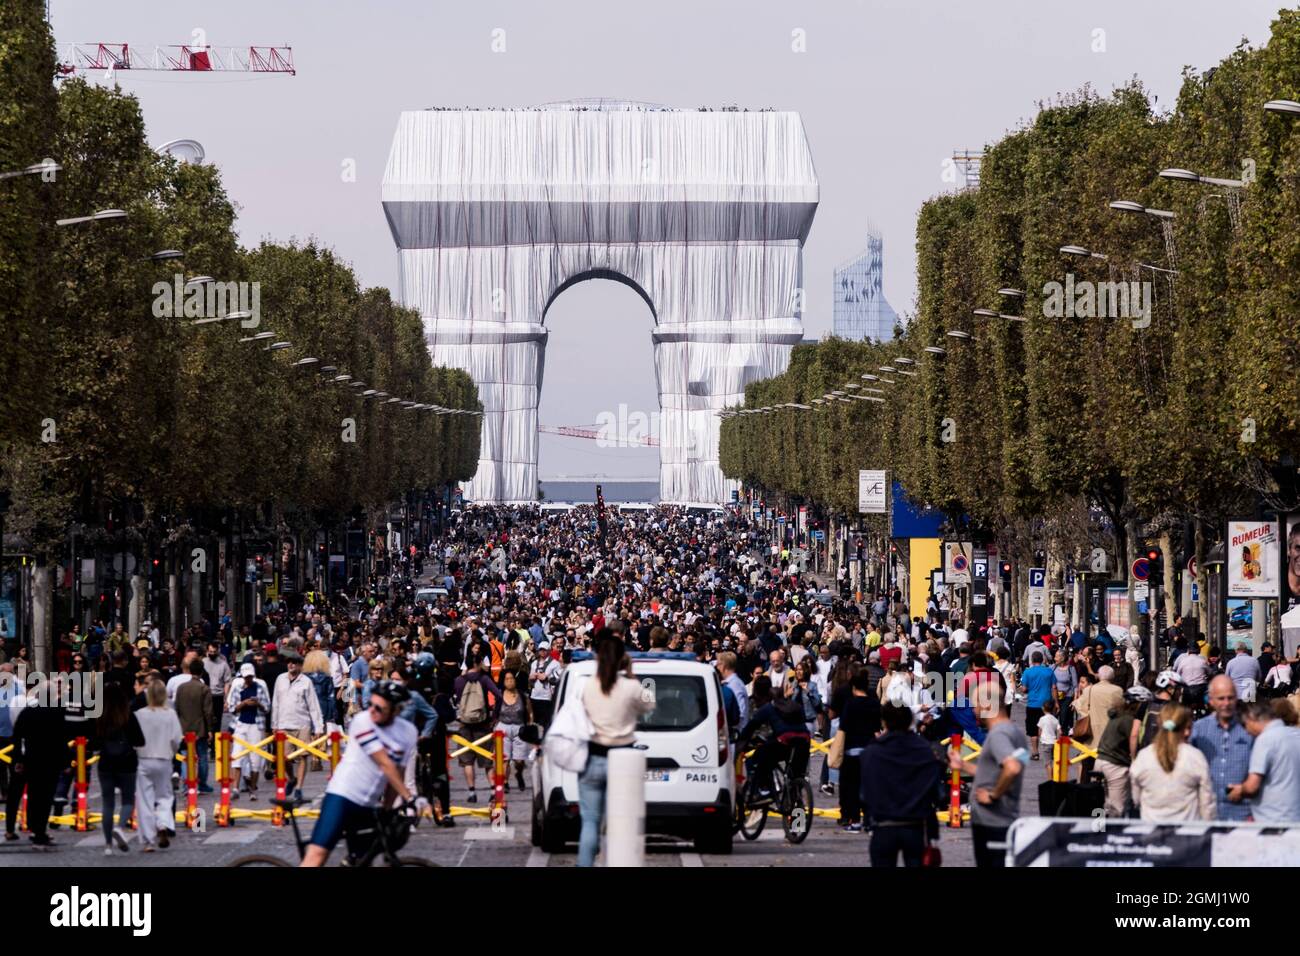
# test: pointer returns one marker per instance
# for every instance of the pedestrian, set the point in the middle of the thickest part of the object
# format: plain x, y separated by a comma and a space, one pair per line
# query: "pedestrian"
860, 722
999, 773
1066, 686
1222, 739
250, 704
1117, 746
1171, 779
543, 678
515, 712
117, 735
40, 753
193, 705
1244, 671
1272, 781
900, 787
316, 667
295, 711
477, 700
613, 699
162, 735
1038, 682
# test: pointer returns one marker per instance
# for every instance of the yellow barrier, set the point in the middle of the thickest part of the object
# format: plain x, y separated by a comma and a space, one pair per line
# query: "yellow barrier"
4, 754
472, 745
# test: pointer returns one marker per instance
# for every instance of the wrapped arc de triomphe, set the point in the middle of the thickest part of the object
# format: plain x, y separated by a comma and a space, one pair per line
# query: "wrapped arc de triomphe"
703, 212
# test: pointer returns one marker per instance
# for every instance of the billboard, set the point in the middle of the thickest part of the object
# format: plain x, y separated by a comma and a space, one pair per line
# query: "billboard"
871, 492
1253, 551
1291, 563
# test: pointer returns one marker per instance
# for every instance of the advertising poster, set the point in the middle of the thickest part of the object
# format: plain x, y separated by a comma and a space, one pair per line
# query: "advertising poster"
1291, 563
1253, 551
956, 562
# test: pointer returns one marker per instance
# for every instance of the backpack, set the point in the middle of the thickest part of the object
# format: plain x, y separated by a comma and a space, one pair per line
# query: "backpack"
472, 708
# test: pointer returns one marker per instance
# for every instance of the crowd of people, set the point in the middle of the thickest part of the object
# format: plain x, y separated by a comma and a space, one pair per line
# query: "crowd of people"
520, 590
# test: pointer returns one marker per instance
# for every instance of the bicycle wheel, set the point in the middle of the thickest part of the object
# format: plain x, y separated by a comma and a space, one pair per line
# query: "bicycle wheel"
749, 821
259, 860
797, 810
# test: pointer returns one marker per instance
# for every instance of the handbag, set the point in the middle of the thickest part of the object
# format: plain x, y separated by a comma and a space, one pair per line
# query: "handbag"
1082, 730
835, 753
566, 741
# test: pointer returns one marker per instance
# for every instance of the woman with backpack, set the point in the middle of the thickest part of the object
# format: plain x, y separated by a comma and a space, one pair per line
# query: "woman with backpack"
117, 734
614, 699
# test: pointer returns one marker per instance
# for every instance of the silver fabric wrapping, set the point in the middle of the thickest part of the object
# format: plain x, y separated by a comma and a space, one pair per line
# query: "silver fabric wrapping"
704, 214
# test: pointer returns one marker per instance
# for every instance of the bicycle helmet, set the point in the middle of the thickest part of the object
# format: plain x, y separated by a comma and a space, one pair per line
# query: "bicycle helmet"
393, 692
1138, 695
1167, 679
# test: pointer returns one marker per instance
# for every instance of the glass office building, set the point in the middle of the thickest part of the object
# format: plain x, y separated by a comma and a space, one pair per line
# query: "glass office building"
860, 311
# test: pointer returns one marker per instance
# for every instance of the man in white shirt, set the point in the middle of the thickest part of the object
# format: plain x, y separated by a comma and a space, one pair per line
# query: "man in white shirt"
295, 710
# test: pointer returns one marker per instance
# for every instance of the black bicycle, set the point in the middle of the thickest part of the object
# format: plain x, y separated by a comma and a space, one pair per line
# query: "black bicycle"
366, 844
792, 799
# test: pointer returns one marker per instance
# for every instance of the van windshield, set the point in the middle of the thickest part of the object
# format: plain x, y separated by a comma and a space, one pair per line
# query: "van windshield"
681, 701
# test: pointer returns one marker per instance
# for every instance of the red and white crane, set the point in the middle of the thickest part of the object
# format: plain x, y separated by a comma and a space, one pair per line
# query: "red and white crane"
184, 58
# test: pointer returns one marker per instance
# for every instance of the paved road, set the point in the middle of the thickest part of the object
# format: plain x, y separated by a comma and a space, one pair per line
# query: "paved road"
473, 842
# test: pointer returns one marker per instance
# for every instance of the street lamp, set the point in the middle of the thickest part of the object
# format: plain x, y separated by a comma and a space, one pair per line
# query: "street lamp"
1187, 176
1127, 205
990, 314
45, 166
1082, 251
1011, 293
959, 334
100, 216
938, 350
259, 337
1283, 107
303, 362
166, 255
278, 346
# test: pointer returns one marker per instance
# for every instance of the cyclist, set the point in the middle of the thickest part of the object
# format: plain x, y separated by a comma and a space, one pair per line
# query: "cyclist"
370, 773
790, 739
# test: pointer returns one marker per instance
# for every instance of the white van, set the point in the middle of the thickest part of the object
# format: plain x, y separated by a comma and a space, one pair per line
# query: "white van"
690, 768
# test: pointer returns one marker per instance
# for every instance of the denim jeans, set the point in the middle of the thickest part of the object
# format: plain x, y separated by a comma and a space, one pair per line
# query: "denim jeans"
109, 783
591, 804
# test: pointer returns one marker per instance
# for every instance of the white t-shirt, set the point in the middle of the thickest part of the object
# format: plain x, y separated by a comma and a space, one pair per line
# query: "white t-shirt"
1049, 729
357, 777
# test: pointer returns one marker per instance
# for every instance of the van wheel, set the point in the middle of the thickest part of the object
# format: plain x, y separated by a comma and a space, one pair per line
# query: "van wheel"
550, 838
716, 841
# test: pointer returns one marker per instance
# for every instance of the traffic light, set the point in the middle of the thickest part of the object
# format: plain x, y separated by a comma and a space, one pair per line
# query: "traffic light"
1156, 575
1004, 570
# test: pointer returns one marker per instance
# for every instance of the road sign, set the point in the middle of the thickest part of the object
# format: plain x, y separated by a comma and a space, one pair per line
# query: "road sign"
1191, 565
981, 569
1037, 590
819, 535
1196, 594
959, 563
1069, 578
1142, 607
1141, 591
1141, 569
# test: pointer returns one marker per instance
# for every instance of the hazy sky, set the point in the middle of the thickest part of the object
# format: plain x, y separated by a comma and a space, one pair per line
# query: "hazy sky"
887, 90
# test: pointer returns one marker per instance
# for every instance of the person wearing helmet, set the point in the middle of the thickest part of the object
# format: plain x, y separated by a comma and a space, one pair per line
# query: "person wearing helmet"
380, 744
1168, 687
1117, 747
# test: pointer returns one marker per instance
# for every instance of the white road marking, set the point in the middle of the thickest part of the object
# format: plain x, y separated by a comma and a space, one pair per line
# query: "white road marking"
537, 858
692, 859
232, 836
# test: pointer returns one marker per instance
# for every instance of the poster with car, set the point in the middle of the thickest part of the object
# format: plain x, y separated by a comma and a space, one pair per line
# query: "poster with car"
1240, 621
1253, 551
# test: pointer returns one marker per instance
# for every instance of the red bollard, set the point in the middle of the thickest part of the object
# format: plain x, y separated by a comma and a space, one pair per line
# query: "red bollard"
191, 781
1063, 768
499, 775
225, 740
22, 813
83, 788
954, 803
281, 778
336, 741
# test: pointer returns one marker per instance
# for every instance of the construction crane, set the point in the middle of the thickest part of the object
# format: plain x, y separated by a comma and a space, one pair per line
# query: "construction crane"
578, 431
83, 57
